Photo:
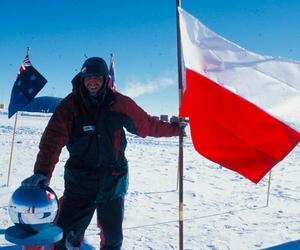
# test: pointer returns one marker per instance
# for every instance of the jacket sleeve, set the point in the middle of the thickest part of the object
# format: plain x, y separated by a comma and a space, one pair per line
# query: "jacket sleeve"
54, 138
140, 123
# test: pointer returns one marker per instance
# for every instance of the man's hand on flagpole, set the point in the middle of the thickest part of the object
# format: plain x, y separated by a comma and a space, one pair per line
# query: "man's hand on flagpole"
180, 123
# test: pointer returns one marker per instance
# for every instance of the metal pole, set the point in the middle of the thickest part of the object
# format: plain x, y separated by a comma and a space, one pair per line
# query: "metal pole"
269, 187
12, 149
180, 153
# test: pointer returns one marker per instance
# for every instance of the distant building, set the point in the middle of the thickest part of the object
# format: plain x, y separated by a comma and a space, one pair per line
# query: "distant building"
155, 117
44, 104
164, 118
1, 105
174, 119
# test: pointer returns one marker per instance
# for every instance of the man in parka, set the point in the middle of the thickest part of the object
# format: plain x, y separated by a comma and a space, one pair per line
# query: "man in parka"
90, 122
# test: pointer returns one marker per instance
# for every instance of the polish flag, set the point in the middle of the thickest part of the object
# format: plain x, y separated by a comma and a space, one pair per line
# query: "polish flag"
244, 108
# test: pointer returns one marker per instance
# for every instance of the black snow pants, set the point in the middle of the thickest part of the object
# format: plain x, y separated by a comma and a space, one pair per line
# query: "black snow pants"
75, 214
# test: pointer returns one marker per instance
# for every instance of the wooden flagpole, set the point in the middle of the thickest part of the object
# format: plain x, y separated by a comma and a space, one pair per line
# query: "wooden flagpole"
180, 153
12, 149
177, 179
13, 138
269, 187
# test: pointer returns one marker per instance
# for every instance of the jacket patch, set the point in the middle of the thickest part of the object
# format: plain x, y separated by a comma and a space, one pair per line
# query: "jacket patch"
88, 128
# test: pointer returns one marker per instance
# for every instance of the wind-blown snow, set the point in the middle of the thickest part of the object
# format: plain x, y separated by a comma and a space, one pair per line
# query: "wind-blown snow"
222, 210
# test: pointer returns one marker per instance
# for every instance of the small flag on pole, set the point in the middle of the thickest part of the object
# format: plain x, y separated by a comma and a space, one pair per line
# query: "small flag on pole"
112, 83
27, 85
243, 107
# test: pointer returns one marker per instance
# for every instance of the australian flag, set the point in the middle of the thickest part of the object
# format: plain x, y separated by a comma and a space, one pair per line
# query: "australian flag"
28, 83
112, 83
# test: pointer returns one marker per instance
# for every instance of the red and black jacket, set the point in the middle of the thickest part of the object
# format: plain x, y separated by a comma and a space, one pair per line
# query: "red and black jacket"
95, 136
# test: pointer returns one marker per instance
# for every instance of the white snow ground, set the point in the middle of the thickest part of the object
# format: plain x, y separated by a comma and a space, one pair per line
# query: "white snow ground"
222, 210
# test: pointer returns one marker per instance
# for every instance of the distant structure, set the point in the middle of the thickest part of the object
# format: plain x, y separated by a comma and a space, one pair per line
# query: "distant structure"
174, 118
155, 117
164, 118
43, 104
1, 105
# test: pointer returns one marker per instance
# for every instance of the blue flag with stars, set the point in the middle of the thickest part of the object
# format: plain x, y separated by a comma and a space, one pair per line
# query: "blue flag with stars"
27, 85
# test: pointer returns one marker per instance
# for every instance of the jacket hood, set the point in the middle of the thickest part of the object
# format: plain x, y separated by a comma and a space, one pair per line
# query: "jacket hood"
76, 82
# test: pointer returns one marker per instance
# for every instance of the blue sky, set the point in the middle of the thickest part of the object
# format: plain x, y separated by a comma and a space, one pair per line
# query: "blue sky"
141, 34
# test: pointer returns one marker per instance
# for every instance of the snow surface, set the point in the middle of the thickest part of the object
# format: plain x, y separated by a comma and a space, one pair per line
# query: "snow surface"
222, 210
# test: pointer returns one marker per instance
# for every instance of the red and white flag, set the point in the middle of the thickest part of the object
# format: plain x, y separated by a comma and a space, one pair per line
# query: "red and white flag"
244, 108
112, 82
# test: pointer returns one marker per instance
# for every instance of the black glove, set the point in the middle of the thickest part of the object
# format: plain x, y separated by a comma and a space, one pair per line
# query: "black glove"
181, 123
36, 180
